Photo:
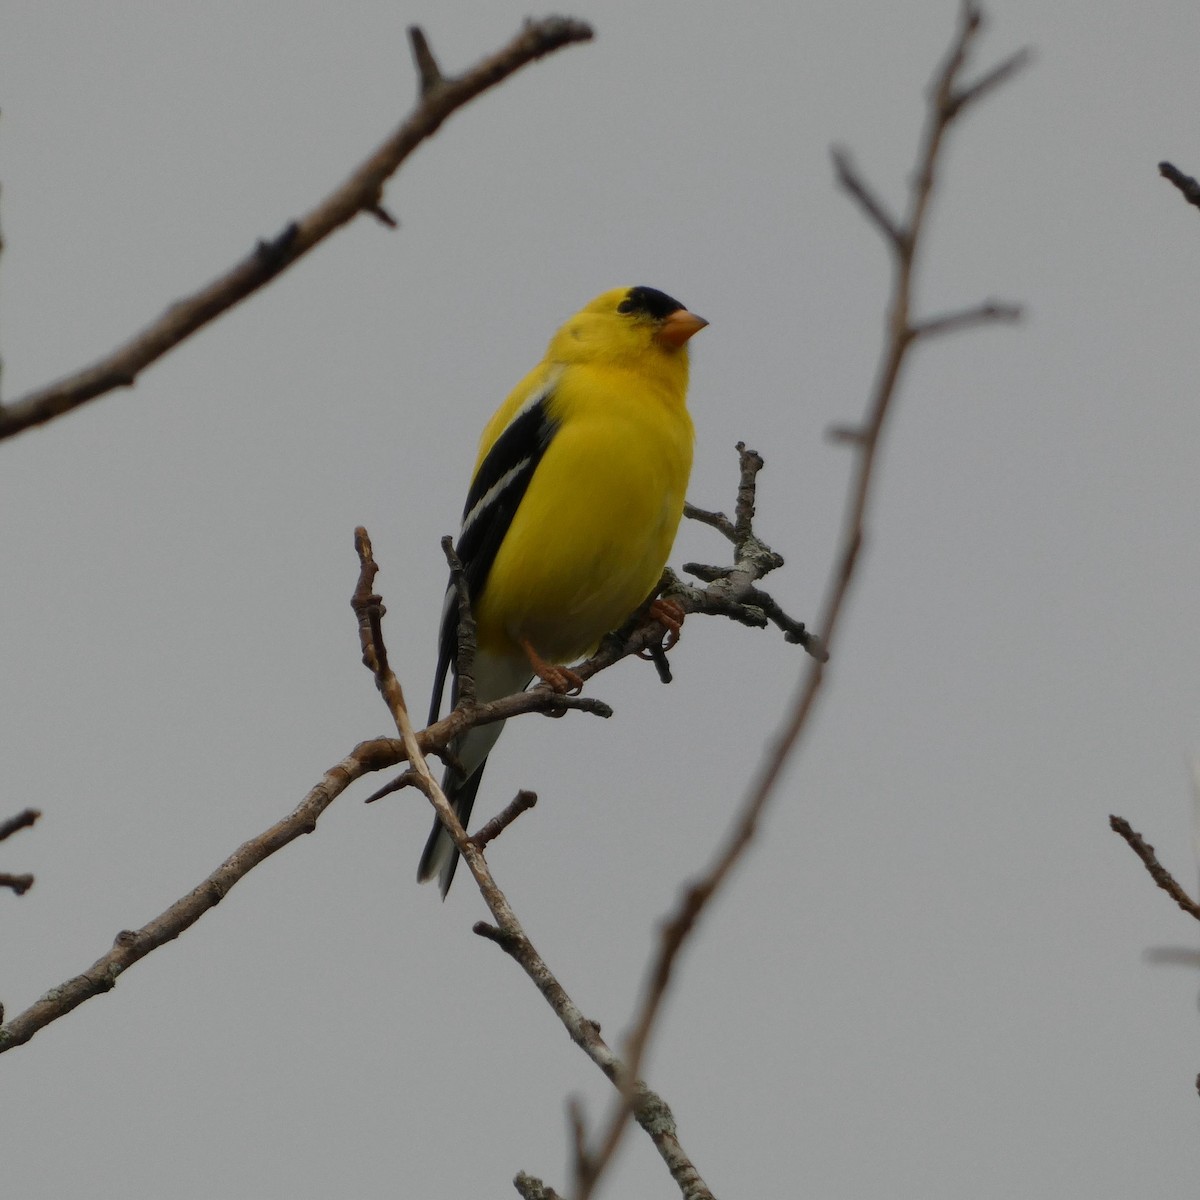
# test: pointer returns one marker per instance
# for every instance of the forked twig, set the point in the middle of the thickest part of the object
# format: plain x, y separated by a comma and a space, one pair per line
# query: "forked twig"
17, 884
732, 591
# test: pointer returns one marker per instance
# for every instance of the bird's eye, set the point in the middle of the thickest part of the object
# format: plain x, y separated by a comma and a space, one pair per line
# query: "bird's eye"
625, 306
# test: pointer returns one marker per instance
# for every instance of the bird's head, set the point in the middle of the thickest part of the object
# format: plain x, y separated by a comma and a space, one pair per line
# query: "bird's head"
628, 323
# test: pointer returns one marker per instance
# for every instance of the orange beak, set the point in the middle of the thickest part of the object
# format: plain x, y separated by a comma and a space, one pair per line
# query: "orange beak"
678, 327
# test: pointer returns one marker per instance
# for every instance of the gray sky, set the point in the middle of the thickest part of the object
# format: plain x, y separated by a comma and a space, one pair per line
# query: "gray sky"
930, 978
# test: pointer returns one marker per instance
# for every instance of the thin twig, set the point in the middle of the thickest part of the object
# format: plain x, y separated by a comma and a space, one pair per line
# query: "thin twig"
1185, 183
382, 215
361, 192
523, 801
1158, 872
403, 780
428, 71
750, 463
529, 1187
850, 181
19, 884
1001, 73
23, 820
368, 607
718, 520
987, 313
583, 1166
945, 105
657, 654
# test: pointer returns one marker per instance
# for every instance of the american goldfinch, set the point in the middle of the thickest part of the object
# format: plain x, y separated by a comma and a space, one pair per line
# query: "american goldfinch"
574, 502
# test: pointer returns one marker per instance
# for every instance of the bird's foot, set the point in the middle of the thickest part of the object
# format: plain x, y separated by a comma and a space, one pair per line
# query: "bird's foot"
670, 616
558, 679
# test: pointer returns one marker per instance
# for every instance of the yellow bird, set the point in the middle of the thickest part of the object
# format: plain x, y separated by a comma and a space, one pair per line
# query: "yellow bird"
574, 502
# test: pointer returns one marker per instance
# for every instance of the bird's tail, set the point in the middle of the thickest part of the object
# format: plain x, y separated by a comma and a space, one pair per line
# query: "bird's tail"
440, 857
495, 676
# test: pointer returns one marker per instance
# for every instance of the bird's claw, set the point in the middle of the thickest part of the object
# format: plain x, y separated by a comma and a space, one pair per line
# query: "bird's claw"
669, 614
561, 680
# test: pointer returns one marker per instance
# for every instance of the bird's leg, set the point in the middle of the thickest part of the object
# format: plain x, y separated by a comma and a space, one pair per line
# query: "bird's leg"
558, 679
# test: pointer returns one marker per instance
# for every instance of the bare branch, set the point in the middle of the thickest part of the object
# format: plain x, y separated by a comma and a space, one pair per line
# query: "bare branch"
658, 656
944, 105
732, 590
361, 192
793, 630
717, 520
750, 462
1001, 73
403, 780
847, 435
382, 215
531, 1188
584, 1167
368, 607
965, 318
429, 72
523, 801
17, 884
23, 820
131, 946
1158, 872
849, 179
1185, 183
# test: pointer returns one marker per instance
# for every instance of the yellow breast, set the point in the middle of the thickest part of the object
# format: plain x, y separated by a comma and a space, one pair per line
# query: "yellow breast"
596, 525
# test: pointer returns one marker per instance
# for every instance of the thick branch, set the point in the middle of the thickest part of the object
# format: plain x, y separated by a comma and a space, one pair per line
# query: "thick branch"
361, 192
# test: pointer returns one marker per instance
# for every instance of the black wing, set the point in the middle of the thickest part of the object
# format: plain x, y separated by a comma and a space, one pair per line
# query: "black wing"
493, 499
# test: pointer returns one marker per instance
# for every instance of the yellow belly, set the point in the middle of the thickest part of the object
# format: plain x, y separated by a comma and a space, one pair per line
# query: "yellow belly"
594, 529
